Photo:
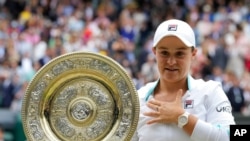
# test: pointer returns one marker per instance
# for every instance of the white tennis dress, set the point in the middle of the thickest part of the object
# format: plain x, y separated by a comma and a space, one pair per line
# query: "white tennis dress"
205, 100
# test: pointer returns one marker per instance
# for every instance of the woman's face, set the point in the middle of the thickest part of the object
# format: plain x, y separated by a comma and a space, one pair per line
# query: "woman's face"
173, 58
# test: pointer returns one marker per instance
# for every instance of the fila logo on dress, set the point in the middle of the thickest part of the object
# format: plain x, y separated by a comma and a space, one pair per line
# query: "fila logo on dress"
188, 104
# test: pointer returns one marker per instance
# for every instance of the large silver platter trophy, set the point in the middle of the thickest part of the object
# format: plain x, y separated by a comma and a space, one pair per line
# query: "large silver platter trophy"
80, 96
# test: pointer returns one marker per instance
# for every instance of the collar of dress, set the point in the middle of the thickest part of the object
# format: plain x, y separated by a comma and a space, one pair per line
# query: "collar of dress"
190, 79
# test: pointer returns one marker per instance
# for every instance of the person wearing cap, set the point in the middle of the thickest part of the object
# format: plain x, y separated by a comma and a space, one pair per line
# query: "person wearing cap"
178, 107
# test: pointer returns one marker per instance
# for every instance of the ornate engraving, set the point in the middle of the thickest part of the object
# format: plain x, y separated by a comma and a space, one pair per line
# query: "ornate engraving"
32, 110
35, 95
35, 129
122, 129
80, 111
98, 96
97, 128
64, 128
66, 96
80, 137
79, 97
61, 67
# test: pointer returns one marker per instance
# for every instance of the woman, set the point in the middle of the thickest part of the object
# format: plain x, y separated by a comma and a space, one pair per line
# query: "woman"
177, 107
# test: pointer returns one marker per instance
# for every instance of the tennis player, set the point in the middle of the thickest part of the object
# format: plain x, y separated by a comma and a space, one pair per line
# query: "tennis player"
178, 107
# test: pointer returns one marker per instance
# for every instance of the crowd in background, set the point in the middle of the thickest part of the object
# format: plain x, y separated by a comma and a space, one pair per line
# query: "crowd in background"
32, 32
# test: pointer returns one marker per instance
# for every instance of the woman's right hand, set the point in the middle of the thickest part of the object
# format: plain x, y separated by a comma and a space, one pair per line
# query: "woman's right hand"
165, 112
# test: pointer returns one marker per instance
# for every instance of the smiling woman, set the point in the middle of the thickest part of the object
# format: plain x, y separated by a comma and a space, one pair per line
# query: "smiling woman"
177, 107
174, 58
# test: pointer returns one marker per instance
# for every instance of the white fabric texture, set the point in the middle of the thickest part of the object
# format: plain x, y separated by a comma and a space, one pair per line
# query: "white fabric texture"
209, 103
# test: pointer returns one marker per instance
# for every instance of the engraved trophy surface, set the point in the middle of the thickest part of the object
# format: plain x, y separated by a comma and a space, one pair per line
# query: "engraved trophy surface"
80, 96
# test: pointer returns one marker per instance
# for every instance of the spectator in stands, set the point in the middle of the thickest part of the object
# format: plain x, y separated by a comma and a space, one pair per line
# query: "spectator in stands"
236, 95
149, 69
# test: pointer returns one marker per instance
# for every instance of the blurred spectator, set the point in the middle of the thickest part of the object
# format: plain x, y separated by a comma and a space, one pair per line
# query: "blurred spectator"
39, 50
16, 104
23, 46
118, 51
144, 51
244, 83
237, 51
149, 69
127, 25
220, 55
217, 75
49, 54
236, 95
247, 59
13, 78
73, 43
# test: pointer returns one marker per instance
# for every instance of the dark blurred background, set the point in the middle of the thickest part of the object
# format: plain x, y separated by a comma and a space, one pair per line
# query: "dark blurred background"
32, 32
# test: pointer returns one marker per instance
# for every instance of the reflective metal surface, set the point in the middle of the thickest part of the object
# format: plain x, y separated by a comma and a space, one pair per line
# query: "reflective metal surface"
80, 96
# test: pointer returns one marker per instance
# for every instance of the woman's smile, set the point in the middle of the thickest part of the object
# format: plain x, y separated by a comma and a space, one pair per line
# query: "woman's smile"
171, 69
